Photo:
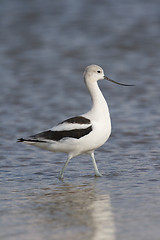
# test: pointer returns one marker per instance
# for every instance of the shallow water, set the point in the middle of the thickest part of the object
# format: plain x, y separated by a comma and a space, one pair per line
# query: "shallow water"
44, 47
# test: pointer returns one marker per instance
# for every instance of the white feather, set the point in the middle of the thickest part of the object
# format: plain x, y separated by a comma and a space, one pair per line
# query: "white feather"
69, 126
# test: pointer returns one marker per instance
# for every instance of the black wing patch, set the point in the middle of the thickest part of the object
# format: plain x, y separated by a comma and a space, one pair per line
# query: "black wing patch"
78, 119
57, 135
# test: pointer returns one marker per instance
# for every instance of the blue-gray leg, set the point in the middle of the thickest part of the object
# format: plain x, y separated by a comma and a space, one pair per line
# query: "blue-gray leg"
97, 173
65, 165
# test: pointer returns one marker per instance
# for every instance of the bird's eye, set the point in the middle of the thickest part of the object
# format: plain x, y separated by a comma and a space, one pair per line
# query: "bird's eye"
98, 71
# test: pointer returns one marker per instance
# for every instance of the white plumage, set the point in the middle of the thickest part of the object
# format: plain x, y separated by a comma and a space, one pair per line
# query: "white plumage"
81, 134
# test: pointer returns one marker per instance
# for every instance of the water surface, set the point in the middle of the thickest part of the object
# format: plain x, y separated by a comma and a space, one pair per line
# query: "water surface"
44, 47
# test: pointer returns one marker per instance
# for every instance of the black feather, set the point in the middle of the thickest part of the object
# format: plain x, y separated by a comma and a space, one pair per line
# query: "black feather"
57, 135
78, 119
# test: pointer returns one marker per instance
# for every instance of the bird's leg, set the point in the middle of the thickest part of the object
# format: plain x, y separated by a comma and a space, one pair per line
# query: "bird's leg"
97, 173
65, 165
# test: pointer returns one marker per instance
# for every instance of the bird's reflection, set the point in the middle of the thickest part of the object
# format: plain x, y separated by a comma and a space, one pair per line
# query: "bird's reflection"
103, 218
75, 211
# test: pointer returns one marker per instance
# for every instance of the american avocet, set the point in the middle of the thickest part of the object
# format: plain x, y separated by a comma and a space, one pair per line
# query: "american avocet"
81, 134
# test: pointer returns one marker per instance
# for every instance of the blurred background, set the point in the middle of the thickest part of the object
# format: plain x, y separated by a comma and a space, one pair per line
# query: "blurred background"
44, 48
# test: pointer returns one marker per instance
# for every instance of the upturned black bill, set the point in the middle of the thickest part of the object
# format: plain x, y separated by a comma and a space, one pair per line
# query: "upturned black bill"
128, 85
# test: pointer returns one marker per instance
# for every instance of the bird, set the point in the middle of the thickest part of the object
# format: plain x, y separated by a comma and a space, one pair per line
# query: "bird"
81, 134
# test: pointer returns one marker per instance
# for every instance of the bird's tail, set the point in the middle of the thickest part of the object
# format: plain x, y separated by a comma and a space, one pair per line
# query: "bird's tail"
30, 140
21, 140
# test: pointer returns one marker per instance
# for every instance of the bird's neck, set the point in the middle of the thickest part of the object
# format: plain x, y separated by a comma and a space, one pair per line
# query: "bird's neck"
99, 107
